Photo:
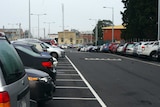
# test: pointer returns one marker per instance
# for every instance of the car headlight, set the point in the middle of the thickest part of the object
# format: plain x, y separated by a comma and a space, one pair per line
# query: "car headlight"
45, 79
32, 78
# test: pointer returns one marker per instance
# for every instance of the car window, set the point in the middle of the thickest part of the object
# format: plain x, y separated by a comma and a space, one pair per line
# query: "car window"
27, 51
157, 43
130, 45
38, 47
43, 46
47, 45
10, 63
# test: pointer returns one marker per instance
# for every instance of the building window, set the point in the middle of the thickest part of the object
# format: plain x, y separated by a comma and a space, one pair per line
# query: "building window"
71, 39
62, 40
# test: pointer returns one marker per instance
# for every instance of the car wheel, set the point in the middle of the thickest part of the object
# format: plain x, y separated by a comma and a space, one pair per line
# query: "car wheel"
54, 55
153, 55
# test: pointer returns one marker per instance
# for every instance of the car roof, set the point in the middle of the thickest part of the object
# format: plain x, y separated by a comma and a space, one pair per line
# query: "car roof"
22, 44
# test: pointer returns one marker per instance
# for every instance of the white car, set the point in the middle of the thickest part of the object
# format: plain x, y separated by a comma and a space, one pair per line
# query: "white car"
139, 47
150, 49
53, 50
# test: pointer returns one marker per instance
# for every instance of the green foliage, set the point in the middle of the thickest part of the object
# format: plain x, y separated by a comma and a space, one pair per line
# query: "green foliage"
100, 25
140, 19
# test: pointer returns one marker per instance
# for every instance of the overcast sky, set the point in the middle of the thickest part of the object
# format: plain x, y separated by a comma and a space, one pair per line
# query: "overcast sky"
76, 14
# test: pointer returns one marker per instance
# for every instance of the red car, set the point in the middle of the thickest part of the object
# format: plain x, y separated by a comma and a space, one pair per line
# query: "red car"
113, 47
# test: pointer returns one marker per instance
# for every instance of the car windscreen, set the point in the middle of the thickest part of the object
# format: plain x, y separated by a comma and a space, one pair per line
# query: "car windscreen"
10, 63
30, 52
45, 45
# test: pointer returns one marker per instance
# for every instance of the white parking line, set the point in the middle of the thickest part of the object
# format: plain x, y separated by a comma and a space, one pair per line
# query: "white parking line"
103, 59
68, 74
68, 64
71, 87
65, 70
72, 80
89, 86
73, 98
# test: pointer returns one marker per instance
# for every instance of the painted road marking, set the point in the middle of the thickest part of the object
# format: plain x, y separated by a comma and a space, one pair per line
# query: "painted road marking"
65, 70
71, 87
72, 80
68, 74
88, 85
103, 59
72, 98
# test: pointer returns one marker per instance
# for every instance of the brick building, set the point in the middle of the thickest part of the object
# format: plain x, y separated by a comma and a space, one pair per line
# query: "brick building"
107, 33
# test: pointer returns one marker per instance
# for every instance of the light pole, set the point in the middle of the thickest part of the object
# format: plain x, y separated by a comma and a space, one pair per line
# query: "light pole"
38, 20
158, 20
112, 22
49, 26
29, 31
96, 30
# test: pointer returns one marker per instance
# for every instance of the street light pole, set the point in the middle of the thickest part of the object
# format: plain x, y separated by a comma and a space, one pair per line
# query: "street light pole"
96, 30
49, 26
29, 32
112, 22
38, 21
158, 20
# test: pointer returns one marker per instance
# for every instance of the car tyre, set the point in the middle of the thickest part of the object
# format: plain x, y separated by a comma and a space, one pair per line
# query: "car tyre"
153, 55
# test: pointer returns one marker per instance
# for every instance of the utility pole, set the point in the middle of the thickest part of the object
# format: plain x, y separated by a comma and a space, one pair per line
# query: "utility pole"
158, 20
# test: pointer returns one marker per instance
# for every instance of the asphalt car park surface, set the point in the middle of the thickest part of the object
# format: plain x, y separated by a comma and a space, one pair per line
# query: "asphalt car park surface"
119, 81
72, 89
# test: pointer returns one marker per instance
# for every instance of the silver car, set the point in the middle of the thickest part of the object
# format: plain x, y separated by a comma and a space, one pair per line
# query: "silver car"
14, 84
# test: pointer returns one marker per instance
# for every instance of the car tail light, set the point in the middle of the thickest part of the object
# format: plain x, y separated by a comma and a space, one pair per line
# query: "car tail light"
143, 47
4, 99
47, 64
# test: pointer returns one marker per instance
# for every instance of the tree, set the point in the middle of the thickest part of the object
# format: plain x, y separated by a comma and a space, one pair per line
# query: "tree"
100, 25
140, 19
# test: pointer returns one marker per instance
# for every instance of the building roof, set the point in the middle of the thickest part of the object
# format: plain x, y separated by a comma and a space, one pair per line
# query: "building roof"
115, 27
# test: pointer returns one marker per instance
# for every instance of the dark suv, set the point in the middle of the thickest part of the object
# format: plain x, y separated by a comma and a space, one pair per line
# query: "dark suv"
14, 85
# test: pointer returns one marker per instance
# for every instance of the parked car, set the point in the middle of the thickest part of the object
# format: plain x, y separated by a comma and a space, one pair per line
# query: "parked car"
54, 51
83, 48
158, 54
41, 85
14, 84
120, 49
34, 60
105, 47
113, 47
139, 47
150, 49
50, 41
129, 48
33, 48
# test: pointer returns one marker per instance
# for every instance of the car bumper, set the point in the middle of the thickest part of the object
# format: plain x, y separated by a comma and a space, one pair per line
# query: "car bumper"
41, 91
